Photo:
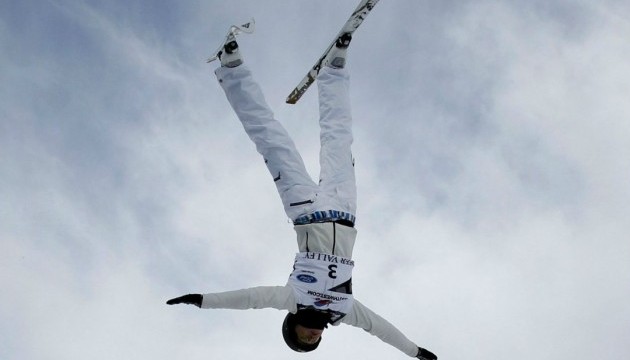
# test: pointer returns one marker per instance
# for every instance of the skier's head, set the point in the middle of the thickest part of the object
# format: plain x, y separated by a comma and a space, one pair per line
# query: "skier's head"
303, 330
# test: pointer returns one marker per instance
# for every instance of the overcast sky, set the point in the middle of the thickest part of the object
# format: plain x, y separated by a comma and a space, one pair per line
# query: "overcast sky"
492, 156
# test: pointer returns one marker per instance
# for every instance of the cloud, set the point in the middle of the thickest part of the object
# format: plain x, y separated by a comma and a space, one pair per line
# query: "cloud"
491, 147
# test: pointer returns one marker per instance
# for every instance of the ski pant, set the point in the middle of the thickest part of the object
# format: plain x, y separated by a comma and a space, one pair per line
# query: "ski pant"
301, 197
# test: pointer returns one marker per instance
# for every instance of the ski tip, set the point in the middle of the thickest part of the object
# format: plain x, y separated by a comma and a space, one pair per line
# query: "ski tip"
250, 24
247, 27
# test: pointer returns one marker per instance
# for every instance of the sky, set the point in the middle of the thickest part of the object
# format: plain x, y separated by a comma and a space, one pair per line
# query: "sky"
492, 147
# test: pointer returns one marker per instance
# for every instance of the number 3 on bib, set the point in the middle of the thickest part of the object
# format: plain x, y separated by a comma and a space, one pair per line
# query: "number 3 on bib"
333, 271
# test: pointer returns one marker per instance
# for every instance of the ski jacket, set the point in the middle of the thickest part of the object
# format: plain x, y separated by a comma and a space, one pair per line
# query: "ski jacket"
319, 238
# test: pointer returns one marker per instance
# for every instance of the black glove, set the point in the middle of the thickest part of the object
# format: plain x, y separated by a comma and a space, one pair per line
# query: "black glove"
191, 299
425, 354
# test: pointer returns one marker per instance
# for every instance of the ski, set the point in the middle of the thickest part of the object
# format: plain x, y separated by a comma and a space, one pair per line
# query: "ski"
246, 28
360, 13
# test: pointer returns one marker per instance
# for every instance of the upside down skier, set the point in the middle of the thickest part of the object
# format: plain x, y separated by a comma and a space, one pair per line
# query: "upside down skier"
319, 290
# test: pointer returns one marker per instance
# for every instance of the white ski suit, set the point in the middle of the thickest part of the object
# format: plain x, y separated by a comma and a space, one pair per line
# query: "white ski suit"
320, 212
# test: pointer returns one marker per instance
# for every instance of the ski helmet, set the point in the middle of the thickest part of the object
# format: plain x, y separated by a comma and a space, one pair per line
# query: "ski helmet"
308, 318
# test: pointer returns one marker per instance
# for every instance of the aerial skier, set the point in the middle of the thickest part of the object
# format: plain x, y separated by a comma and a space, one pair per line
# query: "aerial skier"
319, 290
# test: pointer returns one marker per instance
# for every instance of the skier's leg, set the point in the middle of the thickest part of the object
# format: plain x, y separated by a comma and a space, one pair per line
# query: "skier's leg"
296, 188
337, 179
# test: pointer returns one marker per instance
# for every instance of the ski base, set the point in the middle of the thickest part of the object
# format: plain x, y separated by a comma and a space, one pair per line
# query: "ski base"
360, 13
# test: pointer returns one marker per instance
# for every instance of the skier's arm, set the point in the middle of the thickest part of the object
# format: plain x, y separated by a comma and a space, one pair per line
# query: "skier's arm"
277, 297
361, 316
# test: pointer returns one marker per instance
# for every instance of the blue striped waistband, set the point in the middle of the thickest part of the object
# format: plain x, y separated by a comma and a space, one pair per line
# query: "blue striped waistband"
324, 216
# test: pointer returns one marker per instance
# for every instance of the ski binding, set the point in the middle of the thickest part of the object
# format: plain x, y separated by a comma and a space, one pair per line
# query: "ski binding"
246, 28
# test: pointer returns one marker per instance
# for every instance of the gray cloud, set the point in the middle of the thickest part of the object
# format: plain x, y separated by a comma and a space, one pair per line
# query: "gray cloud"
491, 146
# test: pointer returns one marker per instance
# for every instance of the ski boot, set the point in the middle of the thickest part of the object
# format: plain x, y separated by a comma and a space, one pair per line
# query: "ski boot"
228, 52
336, 58
229, 55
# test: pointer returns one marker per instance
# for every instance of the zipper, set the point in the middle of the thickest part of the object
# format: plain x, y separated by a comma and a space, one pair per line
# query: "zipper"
334, 237
301, 203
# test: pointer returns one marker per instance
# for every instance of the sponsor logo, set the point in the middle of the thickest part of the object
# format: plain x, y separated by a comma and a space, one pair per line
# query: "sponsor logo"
328, 258
325, 297
307, 278
322, 302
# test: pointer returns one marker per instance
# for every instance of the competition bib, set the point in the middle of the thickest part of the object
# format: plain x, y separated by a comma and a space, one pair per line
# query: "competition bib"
323, 282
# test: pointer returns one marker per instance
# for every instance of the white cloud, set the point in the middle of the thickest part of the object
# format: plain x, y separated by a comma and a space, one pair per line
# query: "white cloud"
491, 146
